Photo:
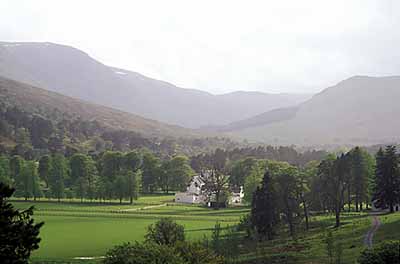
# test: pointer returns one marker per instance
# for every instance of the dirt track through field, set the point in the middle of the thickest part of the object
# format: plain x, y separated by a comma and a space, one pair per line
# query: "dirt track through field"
376, 223
145, 208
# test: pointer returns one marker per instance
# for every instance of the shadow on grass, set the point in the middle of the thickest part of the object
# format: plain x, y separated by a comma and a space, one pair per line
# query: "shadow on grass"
79, 203
388, 230
345, 219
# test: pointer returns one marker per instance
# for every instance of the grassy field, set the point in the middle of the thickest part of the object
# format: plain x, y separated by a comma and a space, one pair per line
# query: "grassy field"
390, 228
73, 229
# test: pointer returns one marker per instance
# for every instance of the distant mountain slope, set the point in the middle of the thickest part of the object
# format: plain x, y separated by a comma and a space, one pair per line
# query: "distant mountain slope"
31, 99
273, 116
72, 72
359, 110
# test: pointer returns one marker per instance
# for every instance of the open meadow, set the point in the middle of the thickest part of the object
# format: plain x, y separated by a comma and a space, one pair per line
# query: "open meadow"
75, 230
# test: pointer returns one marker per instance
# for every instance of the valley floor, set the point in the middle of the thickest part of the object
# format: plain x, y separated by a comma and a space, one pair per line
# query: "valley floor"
78, 230
75, 230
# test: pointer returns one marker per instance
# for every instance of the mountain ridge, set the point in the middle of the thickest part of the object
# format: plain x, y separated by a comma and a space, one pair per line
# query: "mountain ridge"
358, 110
29, 97
73, 72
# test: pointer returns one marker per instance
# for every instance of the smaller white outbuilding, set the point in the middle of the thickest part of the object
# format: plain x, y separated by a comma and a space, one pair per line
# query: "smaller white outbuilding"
237, 195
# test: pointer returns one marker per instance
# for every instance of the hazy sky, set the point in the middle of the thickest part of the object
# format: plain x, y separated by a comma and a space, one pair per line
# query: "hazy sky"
221, 45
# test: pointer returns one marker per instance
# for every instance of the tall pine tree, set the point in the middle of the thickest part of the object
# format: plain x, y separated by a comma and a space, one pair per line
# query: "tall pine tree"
264, 215
359, 173
387, 179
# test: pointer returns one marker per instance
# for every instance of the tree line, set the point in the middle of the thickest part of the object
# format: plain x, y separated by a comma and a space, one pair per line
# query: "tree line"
34, 131
111, 175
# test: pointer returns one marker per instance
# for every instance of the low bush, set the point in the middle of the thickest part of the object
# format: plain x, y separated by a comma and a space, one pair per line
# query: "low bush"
386, 253
153, 253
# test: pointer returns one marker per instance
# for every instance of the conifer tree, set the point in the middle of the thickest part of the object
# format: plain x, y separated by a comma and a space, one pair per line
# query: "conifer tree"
387, 179
264, 215
19, 235
359, 176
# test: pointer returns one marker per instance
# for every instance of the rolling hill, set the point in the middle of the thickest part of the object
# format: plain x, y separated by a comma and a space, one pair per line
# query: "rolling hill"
71, 72
32, 99
359, 110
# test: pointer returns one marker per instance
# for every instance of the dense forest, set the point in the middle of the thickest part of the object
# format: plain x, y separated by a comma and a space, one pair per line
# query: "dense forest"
34, 134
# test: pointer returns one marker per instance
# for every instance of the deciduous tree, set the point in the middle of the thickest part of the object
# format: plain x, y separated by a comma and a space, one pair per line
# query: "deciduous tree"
45, 169
59, 172
165, 232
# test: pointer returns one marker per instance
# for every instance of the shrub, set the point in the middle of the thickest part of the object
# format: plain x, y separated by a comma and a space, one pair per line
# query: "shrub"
152, 253
164, 245
245, 225
386, 253
165, 232
196, 253
146, 253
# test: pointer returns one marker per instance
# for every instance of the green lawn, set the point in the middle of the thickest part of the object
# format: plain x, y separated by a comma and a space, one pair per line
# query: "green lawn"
390, 228
68, 237
73, 229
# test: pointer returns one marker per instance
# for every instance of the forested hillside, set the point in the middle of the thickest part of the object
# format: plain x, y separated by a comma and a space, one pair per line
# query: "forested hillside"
34, 120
